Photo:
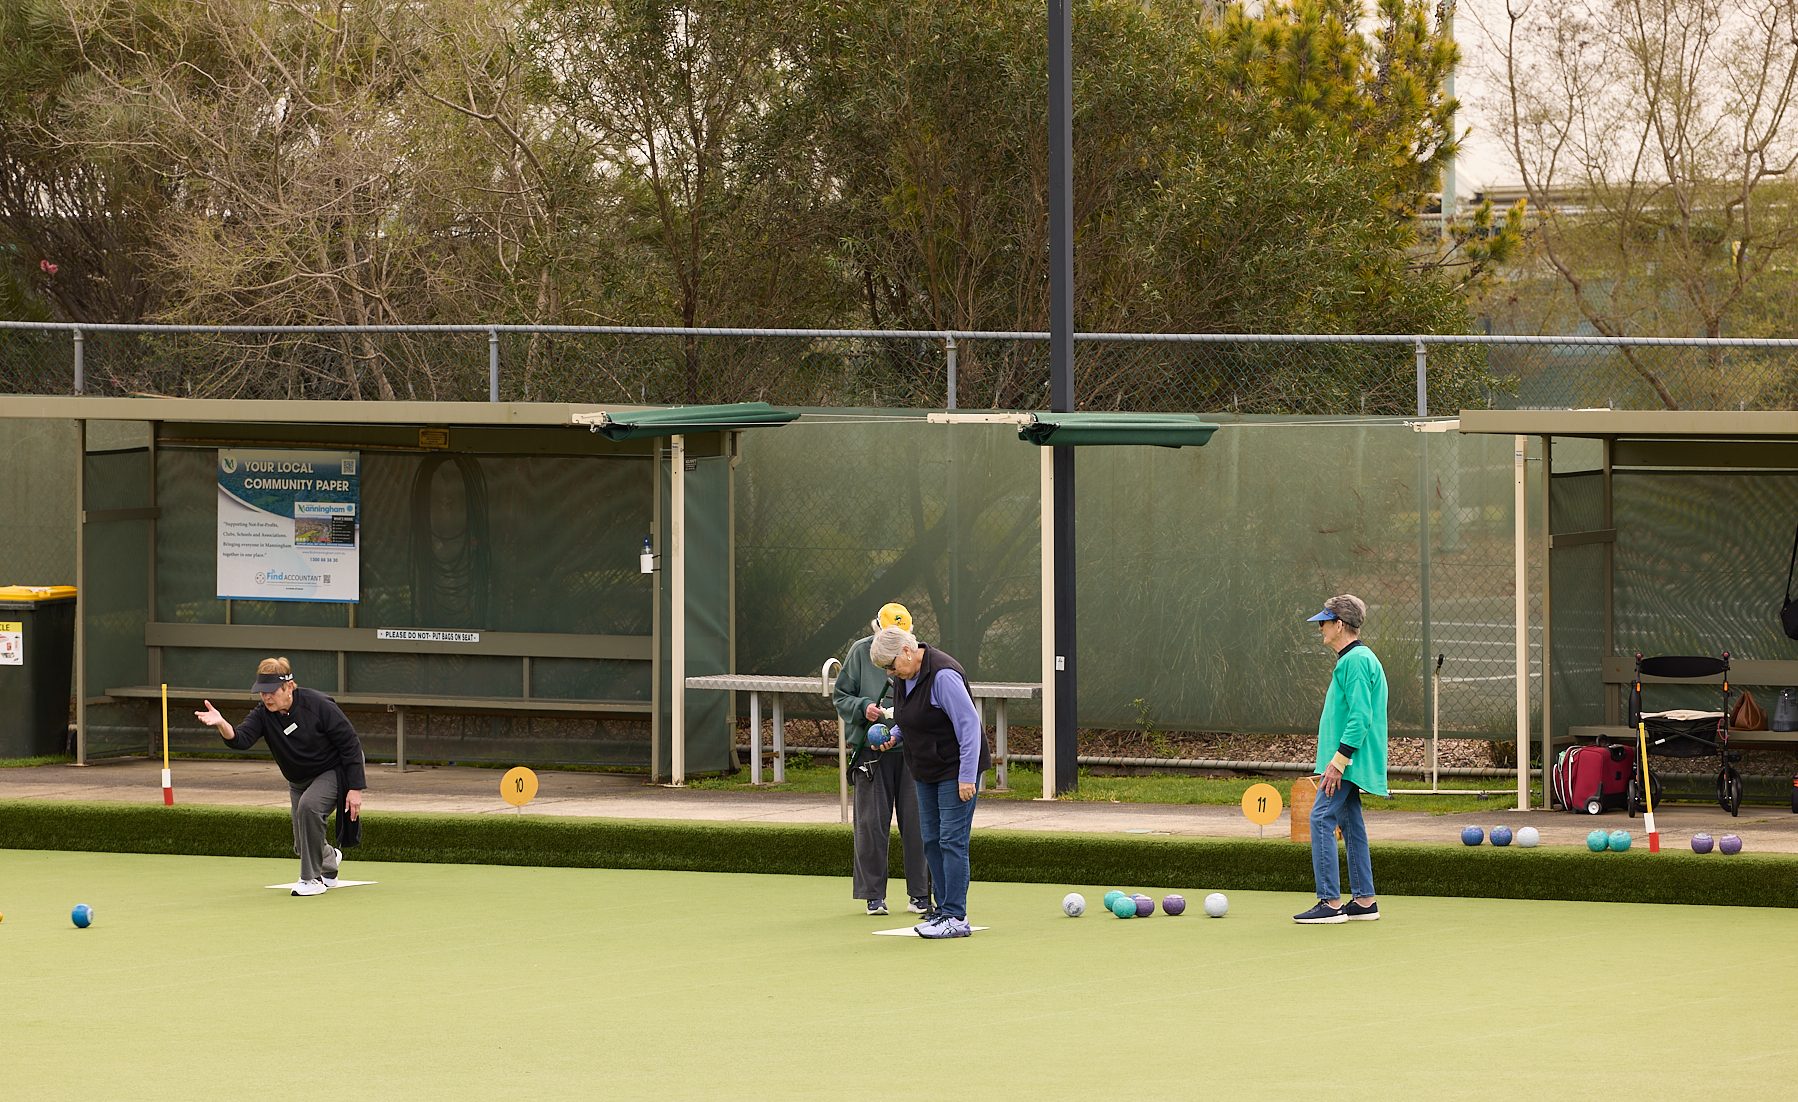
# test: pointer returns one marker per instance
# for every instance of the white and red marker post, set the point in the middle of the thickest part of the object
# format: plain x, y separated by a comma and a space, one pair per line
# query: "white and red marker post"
168, 786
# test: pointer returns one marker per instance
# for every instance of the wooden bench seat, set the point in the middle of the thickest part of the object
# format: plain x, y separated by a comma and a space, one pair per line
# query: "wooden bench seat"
399, 703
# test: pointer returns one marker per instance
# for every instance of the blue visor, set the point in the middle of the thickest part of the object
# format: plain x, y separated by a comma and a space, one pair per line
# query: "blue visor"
1326, 614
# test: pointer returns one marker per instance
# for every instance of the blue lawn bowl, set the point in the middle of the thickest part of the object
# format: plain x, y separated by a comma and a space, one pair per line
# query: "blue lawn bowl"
878, 735
1472, 836
1123, 906
1111, 898
1598, 841
1501, 835
1619, 840
82, 916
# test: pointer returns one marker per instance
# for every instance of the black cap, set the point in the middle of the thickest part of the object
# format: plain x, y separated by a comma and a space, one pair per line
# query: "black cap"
270, 682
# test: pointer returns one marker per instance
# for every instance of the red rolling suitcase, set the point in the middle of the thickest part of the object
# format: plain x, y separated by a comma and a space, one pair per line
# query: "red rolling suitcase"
1593, 778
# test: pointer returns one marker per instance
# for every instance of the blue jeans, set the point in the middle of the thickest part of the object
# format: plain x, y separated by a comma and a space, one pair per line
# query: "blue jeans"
945, 822
1329, 812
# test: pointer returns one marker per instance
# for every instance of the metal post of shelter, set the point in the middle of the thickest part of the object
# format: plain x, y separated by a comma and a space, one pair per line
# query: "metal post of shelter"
677, 556
1047, 542
81, 590
1520, 551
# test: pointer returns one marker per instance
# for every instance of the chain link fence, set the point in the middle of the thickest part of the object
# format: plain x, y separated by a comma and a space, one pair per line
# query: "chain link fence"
1273, 374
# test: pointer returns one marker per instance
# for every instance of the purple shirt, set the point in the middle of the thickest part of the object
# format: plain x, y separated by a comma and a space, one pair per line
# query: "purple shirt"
950, 693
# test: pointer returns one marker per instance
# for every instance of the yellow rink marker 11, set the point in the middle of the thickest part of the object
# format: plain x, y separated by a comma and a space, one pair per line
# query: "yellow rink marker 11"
1261, 804
518, 787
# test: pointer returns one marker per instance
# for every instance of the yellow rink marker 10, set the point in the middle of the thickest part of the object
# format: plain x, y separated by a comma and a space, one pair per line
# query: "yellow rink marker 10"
518, 787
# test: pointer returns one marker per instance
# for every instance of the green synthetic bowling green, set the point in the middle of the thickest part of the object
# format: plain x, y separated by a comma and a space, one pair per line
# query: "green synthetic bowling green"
476, 982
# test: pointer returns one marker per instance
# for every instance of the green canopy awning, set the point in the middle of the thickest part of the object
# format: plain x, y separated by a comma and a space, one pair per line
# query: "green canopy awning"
1161, 430
682, 420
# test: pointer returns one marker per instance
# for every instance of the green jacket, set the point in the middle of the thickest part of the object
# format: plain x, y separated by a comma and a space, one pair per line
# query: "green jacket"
859, 683
1355, 715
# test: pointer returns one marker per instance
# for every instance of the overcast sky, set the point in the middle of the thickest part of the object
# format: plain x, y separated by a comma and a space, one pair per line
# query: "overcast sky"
1483, 162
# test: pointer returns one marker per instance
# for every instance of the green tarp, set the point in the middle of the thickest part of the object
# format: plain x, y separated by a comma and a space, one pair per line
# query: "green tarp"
1162, 430
682, 420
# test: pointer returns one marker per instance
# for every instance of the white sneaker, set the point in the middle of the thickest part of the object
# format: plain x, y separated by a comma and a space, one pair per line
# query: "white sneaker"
332, 867
310, 887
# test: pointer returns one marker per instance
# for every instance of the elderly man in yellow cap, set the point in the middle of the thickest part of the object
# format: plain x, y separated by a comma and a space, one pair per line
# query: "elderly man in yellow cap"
879, 776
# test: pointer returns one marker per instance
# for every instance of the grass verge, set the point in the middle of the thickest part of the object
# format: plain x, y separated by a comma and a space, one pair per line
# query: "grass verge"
1026, 783
1026, 857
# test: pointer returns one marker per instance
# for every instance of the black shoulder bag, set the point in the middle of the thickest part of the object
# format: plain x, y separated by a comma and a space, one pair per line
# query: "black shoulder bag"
1788, 612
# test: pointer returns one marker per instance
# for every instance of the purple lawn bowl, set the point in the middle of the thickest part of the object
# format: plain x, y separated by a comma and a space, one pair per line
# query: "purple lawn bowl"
1174, 905
1702, 843
1729, 844
1144, 906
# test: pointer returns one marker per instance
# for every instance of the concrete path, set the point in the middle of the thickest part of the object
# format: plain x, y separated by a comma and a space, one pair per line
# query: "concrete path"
256, 783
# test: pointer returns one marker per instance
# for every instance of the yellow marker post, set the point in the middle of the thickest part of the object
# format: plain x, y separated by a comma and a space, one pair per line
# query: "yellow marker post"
1654, 836
1261, 805
518, 787
168, 784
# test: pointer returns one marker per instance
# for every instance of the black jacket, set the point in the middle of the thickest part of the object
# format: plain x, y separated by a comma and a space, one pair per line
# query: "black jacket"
311, 737
931, 748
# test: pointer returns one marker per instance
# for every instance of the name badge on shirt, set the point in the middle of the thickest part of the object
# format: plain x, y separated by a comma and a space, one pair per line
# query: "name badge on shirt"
290, 728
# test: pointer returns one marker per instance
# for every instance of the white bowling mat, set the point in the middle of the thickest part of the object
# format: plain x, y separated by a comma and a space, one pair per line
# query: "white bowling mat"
340, 884
912, 931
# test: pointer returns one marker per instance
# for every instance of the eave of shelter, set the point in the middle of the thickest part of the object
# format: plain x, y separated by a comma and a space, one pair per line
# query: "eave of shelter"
642, 424
1162, 430
1620, 424
295, 411
515, 428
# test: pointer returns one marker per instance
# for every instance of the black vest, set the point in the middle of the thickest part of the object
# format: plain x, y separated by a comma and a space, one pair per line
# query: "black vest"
930, 746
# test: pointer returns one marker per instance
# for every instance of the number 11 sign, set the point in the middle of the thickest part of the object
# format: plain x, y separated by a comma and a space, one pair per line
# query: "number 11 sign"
1261, 804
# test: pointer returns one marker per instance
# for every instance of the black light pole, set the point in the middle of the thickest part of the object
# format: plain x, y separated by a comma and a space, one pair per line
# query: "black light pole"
1061, 378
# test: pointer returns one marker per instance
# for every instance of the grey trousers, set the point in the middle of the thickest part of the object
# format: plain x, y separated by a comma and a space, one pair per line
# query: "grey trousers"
312, 805
879, 792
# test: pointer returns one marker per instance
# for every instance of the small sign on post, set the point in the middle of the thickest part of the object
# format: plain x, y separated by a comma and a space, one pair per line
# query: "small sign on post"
1261, 805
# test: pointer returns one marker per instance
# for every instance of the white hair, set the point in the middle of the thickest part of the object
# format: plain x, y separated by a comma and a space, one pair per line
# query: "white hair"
888, 642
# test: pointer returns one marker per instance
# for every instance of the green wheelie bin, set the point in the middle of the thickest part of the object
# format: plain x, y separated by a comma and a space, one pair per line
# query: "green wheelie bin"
37, 663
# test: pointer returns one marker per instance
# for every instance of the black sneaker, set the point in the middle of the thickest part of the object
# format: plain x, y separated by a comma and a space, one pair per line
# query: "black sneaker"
1321, 914
877, 906
918, 905
1355, 912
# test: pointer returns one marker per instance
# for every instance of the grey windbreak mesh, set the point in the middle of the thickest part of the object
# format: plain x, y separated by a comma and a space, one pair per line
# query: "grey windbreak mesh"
473, 542
37, 502
114, 598
1701, 560
1196, 567
1577, 587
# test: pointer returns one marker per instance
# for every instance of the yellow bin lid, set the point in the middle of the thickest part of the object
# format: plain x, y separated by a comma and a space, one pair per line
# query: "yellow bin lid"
37, 593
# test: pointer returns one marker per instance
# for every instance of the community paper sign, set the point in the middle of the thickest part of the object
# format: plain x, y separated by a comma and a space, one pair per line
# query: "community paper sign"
289, 525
